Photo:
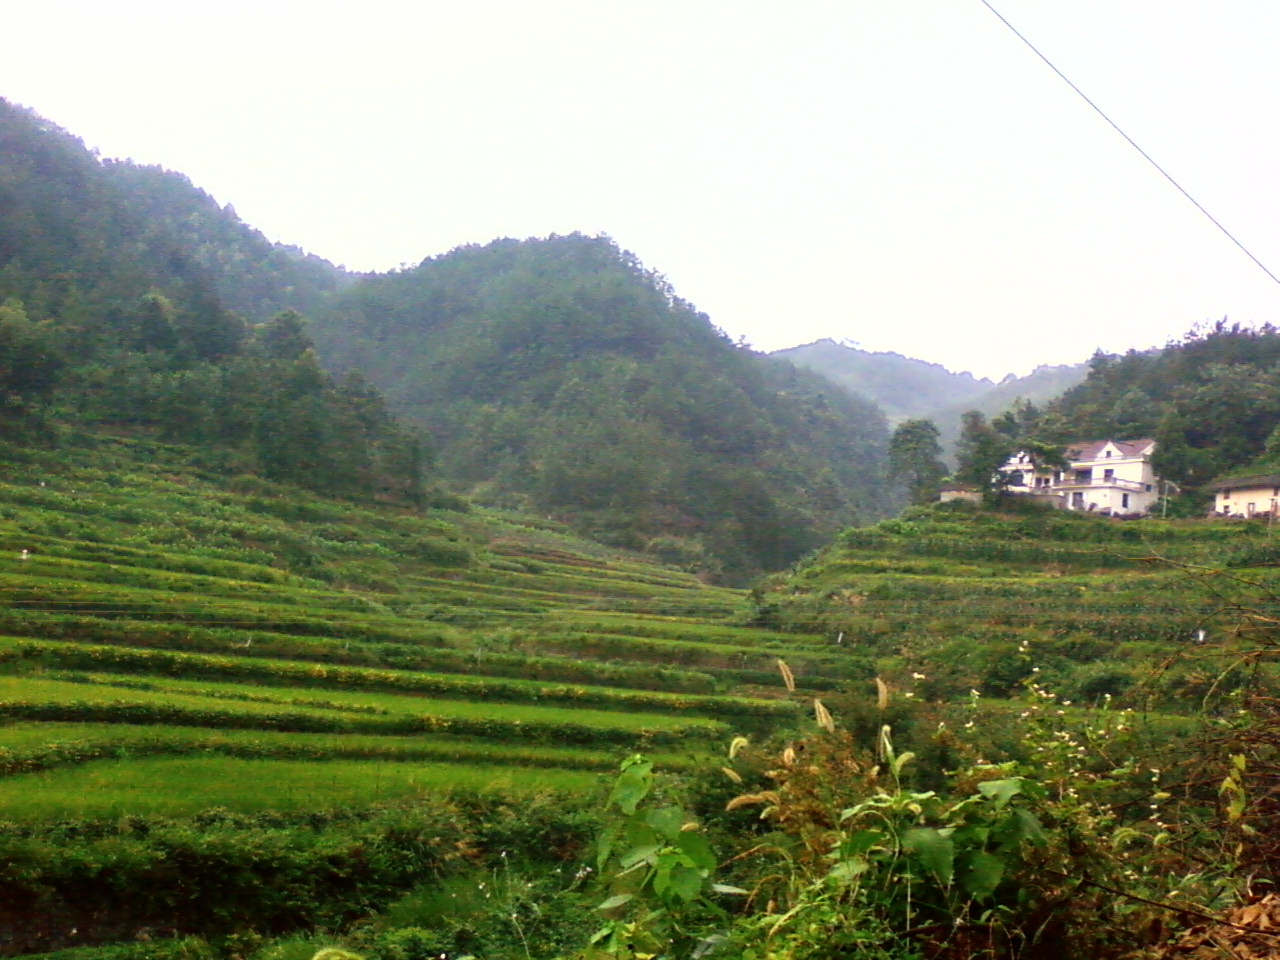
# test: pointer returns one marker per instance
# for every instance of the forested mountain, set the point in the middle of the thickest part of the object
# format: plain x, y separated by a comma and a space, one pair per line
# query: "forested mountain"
1211, 400
559, 375
117, 287
901, 386
251, 275
906, 388
1044, 383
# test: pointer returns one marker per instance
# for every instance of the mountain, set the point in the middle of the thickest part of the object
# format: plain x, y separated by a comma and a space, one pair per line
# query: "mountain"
902, 387
560, 376
1041, 384
127, 301
252, 275
914, 389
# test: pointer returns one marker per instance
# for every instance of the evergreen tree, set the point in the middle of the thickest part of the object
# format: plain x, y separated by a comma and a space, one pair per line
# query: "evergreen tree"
981, 453
915, 459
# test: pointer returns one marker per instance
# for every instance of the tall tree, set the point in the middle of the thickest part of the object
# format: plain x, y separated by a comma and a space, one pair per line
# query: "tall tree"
981, 452
915, 459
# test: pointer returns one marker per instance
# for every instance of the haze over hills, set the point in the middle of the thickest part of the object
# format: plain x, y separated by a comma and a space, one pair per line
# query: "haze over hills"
901, 386
906, 388
556, 375
561, 376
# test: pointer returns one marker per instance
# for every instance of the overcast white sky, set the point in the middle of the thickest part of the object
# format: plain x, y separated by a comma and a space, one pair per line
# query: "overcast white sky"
901, 173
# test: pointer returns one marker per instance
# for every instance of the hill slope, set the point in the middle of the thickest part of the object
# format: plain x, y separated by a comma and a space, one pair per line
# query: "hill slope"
560, 376
240, 677
901, 386
914, 389
113, 314
1211, 400
973, 598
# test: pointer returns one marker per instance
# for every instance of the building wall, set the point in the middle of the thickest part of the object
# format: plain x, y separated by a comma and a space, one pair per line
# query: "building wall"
1087, 484
1247, 501
1101, 498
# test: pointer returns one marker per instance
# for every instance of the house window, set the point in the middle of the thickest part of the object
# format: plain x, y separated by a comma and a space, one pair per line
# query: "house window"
1108, 474
1124, 501
1249, 508
1107, 454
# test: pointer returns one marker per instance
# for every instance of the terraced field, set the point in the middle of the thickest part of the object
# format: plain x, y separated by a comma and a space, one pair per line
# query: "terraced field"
952, 599
151, 613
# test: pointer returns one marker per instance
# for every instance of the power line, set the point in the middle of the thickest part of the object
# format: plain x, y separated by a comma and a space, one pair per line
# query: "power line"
1115, 126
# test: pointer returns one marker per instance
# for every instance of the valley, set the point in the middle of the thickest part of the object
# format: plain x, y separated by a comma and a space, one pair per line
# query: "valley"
501, 607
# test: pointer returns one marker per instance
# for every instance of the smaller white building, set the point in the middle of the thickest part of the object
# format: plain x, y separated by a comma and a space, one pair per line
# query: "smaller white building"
1253, 496
1103, 476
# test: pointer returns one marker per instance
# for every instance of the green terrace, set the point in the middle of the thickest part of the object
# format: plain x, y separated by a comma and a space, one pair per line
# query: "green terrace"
978, 599
171, 640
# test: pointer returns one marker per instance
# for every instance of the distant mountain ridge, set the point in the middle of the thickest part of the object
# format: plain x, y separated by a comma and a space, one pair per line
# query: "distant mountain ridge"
906, 388
901, 386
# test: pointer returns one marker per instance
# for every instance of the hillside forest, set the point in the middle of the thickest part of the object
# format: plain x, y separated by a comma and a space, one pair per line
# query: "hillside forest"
501, 607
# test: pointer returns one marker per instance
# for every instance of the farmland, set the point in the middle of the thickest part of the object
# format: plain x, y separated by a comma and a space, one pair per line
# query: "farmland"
180, 652
231, 706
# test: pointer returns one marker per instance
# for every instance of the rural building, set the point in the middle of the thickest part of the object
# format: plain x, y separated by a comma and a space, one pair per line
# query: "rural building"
1246, 496
1103, 476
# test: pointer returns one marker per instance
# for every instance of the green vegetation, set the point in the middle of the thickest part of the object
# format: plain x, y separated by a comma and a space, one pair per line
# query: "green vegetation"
267, 690
321, 670
958, 595
561, 377
1210, 400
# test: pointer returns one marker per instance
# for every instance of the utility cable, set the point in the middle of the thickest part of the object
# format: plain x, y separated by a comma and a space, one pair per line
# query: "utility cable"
1164, 173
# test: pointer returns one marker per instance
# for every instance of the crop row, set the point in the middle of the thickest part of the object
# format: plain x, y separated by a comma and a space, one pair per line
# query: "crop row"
63, 752
348, 678
539, 731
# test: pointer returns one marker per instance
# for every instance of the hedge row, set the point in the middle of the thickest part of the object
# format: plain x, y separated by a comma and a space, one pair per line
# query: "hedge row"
488, 728
355, 678
212, 876
73, 752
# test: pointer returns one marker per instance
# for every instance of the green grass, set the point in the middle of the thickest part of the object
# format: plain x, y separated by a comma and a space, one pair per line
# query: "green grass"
28, 745
200, 692
246, 620
183, 786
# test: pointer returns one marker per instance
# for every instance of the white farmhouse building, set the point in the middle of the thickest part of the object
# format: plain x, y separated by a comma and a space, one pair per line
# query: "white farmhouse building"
1103, 476
1246, 496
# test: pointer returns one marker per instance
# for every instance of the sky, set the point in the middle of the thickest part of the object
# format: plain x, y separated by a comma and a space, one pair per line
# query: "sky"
904, 175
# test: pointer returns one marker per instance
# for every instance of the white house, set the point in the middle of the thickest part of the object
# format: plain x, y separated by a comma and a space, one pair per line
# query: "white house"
1103, 476
1252, 496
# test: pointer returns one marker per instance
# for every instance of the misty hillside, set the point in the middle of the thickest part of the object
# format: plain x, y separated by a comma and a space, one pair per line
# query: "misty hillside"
913, 389
116, 293
560, 376
1042, 384
901, 386
252, 275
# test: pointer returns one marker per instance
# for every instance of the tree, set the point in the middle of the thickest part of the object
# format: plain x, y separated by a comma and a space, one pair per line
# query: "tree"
30, 358
915, 459
981, 453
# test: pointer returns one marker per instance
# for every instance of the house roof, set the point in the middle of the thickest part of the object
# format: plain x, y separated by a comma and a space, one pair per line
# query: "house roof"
1243, 483
1092, 449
